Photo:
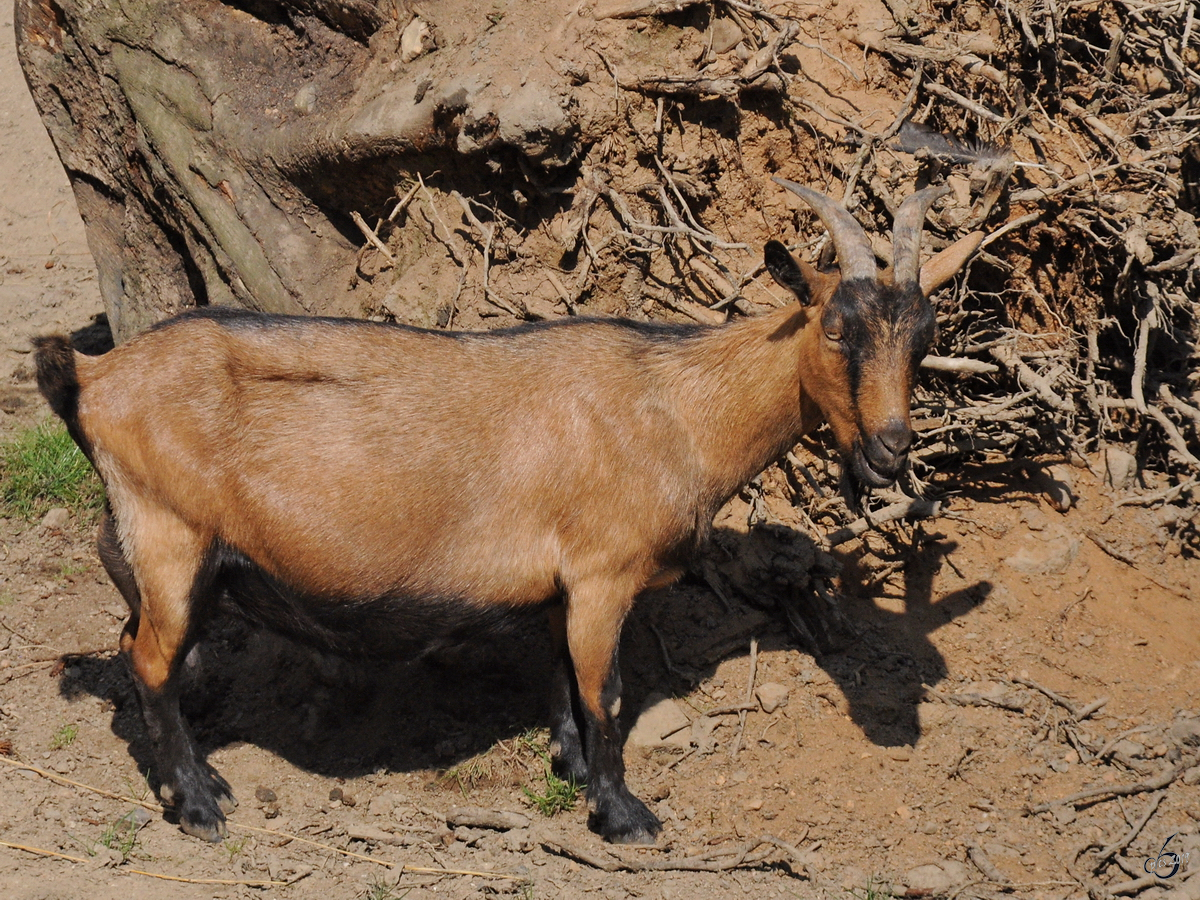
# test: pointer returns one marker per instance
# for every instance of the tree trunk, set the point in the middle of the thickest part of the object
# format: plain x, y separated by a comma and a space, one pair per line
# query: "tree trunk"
218, 152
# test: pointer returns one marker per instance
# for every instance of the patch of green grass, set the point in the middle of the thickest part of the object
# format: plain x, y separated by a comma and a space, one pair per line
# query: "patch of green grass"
67, 569
64, 737
382, 889
468, 775
234, 846
41, 468
121, 835
559, 795
876, 889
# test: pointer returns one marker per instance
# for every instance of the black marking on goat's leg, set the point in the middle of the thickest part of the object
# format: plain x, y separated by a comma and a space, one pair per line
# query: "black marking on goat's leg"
566, 713
196, 793
615, 814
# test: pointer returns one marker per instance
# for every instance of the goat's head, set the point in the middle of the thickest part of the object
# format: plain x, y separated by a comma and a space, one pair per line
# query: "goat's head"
866, 333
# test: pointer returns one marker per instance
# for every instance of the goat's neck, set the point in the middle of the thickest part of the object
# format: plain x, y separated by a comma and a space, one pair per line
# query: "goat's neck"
740, 391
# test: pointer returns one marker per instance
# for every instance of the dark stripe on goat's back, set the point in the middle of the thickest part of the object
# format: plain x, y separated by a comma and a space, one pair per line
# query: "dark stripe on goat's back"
392, 626
235, 318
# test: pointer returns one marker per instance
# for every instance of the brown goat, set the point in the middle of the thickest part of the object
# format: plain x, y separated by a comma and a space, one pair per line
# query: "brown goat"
295, 470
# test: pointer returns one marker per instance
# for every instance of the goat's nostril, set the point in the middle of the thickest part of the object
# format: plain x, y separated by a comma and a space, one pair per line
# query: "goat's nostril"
896, 436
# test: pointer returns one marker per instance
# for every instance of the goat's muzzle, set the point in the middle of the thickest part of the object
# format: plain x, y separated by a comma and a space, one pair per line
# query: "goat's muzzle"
879, 458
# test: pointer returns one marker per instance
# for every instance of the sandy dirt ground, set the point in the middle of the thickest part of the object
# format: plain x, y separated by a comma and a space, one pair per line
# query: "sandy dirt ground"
1015, 656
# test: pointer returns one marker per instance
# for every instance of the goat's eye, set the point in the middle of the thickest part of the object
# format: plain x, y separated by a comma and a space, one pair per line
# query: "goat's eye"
834, 335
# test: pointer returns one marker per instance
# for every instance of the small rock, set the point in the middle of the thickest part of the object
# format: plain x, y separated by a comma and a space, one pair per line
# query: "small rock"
1192, 776
726, 34
1059, 765
660, 718
1131, 749
335, 795
1060, 488
56, 519
417, 40
899, 754
371, 834
925, 880
1120, 468
772, 696
271, 811
349, 800
903, 813
264, 795
1045, 556
382, 805
518, 841
956, 871
753, 805
478, 817
1064, 815
305, 100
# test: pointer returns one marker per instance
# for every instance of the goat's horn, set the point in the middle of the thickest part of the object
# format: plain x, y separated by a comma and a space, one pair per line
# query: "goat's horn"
855, 256
906, 234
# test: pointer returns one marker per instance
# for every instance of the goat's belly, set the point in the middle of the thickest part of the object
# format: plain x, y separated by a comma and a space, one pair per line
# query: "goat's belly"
393, 625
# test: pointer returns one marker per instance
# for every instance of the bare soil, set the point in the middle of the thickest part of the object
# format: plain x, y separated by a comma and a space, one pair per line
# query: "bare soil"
929, 740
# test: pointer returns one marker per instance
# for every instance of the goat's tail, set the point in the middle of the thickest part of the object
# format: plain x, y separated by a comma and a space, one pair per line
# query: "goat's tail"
57, 379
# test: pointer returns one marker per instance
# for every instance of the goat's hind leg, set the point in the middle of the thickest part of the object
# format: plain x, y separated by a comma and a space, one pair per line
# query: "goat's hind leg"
170, 594
566, 716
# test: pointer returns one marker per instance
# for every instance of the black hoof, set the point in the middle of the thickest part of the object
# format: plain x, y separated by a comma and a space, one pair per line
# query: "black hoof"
221, 792
214, 833
624, 819
200, 800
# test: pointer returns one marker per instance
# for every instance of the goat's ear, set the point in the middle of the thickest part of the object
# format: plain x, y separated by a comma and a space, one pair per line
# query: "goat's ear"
948, 262
799, 278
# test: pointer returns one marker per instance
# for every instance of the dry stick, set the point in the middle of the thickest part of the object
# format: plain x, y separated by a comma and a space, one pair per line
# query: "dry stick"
965, 102
1132, 563
917, 508
1124, 842
155, 807
1107, 748
404, 201
488, 232
371, 236
1007, 357
1057, 698
984, 864
1164, 394
1165, 496
709, 862
1141, 787
1137, 885
958, 365
1174, 438
737, 743
159, 875
1146, 324
455, 253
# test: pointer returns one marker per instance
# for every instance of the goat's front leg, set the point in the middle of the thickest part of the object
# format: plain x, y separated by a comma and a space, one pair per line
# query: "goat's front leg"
595, 613
173, 579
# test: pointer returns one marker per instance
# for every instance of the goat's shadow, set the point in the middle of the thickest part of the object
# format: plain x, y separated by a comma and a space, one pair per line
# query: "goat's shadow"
344, 719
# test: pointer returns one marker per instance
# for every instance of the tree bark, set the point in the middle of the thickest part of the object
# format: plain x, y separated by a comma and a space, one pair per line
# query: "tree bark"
218, 150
